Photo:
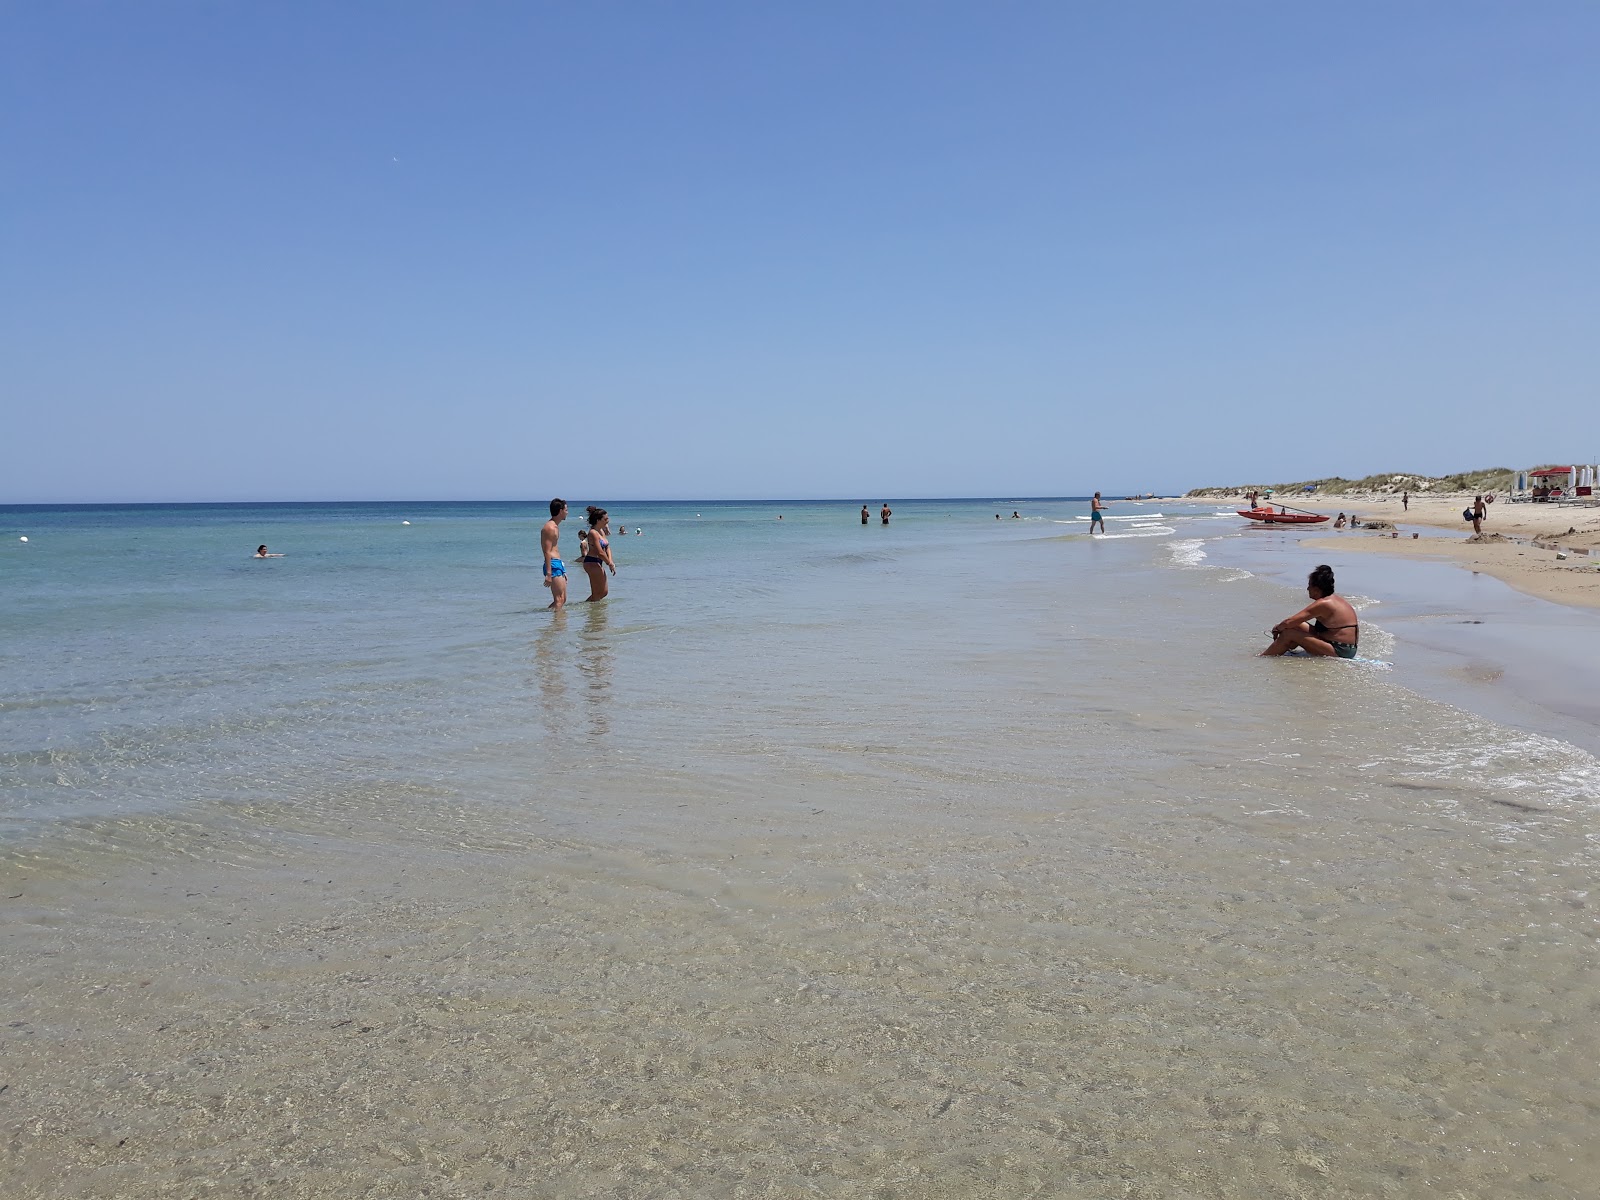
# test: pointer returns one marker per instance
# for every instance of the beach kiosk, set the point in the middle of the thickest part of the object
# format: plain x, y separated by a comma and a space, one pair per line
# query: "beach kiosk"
1553, 483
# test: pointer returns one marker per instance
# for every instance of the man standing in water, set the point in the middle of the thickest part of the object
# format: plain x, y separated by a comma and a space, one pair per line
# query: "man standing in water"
863, 514
555, 571
1096, 515
886, 513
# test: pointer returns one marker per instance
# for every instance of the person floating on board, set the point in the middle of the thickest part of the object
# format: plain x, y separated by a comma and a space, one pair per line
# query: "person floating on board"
1327, 627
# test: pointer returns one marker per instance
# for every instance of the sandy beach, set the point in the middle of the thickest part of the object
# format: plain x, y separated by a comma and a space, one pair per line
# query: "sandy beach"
1529, 560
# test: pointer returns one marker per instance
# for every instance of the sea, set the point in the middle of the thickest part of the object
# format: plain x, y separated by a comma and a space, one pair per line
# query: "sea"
967, 855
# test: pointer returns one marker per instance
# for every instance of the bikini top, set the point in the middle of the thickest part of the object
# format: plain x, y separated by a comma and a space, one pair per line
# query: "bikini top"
1318, 627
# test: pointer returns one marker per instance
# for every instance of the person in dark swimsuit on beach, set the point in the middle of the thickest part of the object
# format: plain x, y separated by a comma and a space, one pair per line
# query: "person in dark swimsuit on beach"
597, 558
1327, 627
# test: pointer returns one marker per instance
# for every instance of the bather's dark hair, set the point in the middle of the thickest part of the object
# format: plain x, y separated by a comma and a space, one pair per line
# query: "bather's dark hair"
1322, 580
596, 514
556, 506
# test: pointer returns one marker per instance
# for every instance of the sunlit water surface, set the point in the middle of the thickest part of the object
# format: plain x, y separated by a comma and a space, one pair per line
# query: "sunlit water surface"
960, 857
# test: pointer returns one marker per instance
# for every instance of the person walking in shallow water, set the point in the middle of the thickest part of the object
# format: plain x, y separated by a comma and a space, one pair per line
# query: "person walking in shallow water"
886, 512
555, 571
1096, 516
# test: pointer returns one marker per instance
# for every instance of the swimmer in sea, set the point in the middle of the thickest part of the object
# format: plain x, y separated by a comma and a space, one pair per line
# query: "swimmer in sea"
885, 512
555, 571
597, 553
1327, 627
863, 514
261, 552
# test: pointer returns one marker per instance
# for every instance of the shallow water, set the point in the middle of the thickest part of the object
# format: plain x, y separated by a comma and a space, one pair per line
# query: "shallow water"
946, 859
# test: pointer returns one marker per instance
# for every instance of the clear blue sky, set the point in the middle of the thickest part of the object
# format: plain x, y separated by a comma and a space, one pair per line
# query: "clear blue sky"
401, 250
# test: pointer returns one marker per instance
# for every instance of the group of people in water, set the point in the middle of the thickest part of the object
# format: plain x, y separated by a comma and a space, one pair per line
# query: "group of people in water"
1327, 627
594, 546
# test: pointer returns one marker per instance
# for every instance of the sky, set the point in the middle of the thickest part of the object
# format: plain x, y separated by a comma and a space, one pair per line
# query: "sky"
857, 249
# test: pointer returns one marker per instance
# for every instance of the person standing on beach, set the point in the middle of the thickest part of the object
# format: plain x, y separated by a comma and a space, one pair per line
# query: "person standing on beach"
1479, 512
1405, 501
555, 571
863, 514
1096, 515
886, 512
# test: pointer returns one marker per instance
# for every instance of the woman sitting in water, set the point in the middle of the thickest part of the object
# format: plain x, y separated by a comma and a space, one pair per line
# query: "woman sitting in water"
597, 553
1327, 627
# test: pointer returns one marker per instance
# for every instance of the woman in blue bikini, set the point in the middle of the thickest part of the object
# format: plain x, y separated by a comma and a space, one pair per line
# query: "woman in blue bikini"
597, 554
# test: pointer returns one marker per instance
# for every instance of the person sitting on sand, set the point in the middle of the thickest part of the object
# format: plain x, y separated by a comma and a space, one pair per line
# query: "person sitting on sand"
261, 552
1327, 627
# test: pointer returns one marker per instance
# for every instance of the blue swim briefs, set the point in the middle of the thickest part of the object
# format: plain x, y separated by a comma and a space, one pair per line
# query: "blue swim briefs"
557, 569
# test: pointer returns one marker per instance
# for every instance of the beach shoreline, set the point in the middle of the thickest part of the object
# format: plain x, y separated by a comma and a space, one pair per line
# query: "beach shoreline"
1552, 551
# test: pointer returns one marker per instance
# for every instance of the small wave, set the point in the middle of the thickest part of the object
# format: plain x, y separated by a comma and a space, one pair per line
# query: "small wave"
1501, 764
1190, 552
1140, 532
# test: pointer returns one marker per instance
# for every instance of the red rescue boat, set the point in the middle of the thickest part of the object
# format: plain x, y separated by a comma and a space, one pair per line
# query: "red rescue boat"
1271, 516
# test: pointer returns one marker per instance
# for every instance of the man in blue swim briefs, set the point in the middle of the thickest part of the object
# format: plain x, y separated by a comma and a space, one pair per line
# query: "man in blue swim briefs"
1096, 515
555, 571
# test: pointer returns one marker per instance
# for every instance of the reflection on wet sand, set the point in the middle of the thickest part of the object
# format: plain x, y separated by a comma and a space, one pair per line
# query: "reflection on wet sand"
549, 666
595, 661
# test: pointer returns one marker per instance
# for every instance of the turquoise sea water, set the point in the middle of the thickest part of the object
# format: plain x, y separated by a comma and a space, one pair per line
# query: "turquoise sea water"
960, 857
152, 663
